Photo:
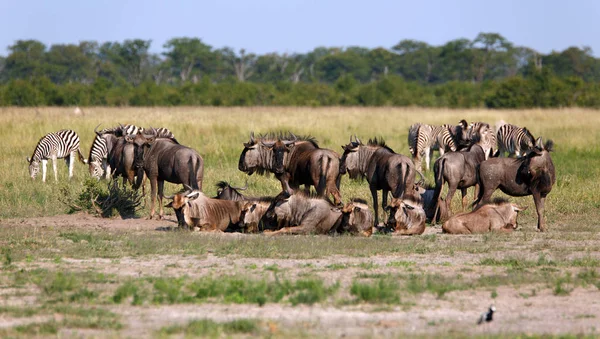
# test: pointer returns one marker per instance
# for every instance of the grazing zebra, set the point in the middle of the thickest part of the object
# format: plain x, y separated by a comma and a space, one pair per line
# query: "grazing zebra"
481, 133
59, 145
513, 139
423, 139
97, 160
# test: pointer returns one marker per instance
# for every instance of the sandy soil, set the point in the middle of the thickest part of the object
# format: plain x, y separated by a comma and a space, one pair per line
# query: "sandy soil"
456, 312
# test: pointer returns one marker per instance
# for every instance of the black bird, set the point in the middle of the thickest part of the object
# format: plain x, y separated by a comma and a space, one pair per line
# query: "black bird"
487, 316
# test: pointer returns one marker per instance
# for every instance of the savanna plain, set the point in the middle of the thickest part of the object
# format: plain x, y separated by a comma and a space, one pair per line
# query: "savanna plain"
78, 275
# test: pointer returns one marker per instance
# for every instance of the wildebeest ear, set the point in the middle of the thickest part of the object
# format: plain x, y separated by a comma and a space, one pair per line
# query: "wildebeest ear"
253, 208
356, 209
407, 206
169, 204
128, 138
539, 143
28, 159
193, 195
518, 209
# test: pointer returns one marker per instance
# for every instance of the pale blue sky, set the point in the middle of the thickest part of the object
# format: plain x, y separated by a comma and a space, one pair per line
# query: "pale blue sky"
263, 26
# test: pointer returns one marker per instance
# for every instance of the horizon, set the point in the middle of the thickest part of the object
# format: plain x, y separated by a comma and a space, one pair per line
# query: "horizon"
264, 27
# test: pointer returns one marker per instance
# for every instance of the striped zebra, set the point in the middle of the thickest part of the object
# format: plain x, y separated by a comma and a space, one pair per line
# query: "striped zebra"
513, 139
481, 133
423, 139
58, 145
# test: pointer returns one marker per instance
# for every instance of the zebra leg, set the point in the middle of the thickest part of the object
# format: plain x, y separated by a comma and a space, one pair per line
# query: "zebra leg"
44, 164
54, 160
71, 163
427, 158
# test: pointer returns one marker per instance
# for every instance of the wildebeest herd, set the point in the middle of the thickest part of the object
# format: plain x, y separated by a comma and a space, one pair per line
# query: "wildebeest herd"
470, 155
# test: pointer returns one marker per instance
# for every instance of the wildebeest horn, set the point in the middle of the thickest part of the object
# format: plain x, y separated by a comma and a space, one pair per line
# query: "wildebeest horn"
294, 136
96, 129
188, 187
422, 181
252, 137
241, 188
357, 140
268, 144
169, 196
289, 142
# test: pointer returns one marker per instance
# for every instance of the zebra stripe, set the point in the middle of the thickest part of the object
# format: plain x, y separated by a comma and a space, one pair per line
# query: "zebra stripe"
514, 140
123, 130
58, 145
97, 157
481, 133
423, 139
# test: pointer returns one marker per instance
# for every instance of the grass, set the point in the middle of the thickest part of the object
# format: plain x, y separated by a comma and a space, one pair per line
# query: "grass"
211, 329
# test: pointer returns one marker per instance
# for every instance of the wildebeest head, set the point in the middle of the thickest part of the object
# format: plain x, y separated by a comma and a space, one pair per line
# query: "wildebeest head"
349, 161
228, 192
280, 148
538, 169
280, 207
250, 158
405, 214
141, 142
357, 218
180, 205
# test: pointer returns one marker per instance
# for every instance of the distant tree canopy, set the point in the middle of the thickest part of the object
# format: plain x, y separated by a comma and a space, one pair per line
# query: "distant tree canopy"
487, 71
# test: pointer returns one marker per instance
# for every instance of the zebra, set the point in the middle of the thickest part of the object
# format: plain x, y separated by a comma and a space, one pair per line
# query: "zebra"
514, 139
481, 133
55, 145
423, 139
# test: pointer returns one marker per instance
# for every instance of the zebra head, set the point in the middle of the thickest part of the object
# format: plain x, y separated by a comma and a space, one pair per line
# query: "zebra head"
96, 170
34, 167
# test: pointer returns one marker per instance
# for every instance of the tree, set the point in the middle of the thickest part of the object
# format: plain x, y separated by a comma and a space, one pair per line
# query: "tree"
189, 58
131, 58
455, 59
69, 63
26, 60
417, 60
492, 56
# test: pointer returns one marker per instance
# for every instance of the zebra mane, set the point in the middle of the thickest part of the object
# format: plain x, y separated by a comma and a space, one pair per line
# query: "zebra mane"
379, 143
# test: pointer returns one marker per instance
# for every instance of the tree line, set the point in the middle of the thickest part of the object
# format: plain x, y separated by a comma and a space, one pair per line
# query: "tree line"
488, 71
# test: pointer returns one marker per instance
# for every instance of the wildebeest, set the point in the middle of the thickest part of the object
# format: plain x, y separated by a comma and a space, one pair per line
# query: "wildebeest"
459, 170
406, 217
357, 218
295, 161
532, 174
194, 209
500, 216
383, 168
426, 195
253, 217
162, 159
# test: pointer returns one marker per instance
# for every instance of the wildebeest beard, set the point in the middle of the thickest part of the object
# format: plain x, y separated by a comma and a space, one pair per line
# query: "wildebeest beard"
138, 164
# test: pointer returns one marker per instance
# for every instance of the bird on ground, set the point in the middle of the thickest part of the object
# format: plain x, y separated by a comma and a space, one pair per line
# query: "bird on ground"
487, 316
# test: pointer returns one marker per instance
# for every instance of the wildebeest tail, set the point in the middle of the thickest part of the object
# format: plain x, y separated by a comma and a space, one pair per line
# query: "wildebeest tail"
324, 163
438, 169
403, 172
81, 157
193, 164
481, 190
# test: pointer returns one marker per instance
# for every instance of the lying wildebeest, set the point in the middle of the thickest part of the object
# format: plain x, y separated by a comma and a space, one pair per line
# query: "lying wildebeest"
194, 209
357, 219
406, 217
253, 217
295, 161
308, 214
383, 169
163, 159
459, 170
533, 174
425, 193
500, 216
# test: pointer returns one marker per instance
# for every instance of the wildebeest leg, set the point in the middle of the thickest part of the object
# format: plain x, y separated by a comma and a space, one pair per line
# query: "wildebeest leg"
539, 200
284, 178
384, 197
463, 192
161, 191
449, 195
375, 207
290, 230
153, 185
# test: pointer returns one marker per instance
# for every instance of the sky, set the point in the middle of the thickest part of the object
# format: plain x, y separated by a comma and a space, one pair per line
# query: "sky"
289, 26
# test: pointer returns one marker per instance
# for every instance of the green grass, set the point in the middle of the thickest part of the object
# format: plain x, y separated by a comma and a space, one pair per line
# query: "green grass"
383, 290
209, 328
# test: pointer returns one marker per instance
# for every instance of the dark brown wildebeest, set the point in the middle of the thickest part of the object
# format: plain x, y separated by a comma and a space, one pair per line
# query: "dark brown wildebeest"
295, 161
162, 159
459, 170
501, 216
383, 169
533, 174
426, 196
194, 209
406, 217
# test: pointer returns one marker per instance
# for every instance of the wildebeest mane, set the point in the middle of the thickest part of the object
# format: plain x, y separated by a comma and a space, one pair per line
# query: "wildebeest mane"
288, 136
379, 142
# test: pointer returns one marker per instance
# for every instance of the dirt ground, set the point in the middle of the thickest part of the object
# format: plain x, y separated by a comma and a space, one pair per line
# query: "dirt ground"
518, 310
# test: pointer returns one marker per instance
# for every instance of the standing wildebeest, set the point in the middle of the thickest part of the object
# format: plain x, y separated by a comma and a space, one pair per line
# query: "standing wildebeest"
406, 217
501, 216
532, 174
384, 169
194, 209
295, 161
163, 159
459, 170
